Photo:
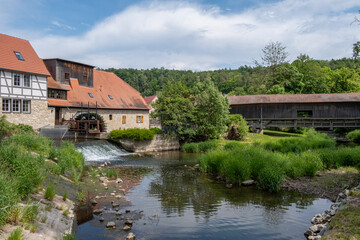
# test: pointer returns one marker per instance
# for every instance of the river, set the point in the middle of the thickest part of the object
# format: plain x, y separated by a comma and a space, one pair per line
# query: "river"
173, 201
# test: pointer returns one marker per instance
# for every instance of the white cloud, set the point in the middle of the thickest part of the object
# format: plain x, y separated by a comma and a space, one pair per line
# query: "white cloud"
61, 25
188, 36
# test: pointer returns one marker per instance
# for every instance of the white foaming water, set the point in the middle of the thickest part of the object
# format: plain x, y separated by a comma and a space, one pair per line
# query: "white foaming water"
99, 151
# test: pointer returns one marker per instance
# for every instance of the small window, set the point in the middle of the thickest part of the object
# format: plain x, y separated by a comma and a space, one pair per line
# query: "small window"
67, 77
110, 97
304, 113
27, 81
6, 103
16, 105
17, 80
19, 56
85, 78
26, 106
90, 94
123, 119
110, 117
139, 119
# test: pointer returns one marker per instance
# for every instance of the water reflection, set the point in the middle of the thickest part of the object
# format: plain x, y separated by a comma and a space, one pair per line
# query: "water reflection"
179, 189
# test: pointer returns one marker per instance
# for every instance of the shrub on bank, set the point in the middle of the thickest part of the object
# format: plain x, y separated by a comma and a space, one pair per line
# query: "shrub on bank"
190, 147
354, 135
311, 140
137, 134
31, 142
205, 146
341, 156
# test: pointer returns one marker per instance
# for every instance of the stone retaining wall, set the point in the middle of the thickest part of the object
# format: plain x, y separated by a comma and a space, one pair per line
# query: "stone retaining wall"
321, 221
158, 144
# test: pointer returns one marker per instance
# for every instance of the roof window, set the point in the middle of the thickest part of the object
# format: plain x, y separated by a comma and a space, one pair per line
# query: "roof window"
90, 94
19, 56
110, 97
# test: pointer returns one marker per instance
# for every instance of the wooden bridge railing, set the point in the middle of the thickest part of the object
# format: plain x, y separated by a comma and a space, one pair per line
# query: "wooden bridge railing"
330, 123
85, 126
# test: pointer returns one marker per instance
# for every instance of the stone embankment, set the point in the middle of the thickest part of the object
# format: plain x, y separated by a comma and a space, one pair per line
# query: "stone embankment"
321, 222
158, 144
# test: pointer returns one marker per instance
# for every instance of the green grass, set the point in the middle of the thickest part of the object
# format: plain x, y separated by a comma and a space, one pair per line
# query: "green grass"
69, 236
269, 159
49, 193
111, 173
30, 213
354, 135
200, 146
16, 234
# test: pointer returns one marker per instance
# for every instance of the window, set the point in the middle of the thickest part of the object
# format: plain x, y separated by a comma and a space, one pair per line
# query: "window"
110, 117
90, 94
57, 94
16, 105
26, 106
17, 80
123, 119
110, 97
19, 56
304, 113
27, 81
85, 79
67, 77
139, 119
6, 105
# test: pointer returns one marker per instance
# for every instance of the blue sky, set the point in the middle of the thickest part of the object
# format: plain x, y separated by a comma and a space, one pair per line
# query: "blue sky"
196, 35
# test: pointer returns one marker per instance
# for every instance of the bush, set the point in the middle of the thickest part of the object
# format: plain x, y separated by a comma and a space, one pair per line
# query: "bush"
207, 146
190, 147
341, 156
8, 129
31, 142
69, 159
305, 164
156, 130
69, 236
8, 196
25, 167
271, 177
49, 193
136, 134
354, 135
16, 234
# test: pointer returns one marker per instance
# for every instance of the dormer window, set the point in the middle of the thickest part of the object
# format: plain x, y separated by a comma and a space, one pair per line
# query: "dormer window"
19, 56
67, 76
90, 94
110, 97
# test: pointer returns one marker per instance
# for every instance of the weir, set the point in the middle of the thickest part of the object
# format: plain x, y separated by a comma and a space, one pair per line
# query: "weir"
101, 150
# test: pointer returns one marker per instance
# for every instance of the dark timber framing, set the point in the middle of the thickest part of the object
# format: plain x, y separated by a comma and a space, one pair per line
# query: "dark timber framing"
303, 110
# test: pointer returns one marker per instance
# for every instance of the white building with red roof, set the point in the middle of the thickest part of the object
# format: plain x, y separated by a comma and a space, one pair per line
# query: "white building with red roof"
23, 77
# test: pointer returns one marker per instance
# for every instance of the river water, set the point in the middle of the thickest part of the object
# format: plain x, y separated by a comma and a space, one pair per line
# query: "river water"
176, 202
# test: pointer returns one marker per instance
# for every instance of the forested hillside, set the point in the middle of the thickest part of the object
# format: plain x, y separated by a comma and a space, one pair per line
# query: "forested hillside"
304, 75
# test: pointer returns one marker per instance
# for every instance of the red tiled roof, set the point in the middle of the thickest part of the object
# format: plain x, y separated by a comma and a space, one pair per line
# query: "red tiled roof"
105, 83
294, 98
8, 60
148, 100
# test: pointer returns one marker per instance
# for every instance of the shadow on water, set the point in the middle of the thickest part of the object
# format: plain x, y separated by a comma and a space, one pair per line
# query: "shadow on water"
178, 202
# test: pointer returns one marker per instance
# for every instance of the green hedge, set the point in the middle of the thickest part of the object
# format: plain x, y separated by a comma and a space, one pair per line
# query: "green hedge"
354, 135
200, 146
136, 134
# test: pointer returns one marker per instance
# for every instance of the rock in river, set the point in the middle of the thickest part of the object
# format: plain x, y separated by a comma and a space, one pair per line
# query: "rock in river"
248, 182
130, 236
111, 225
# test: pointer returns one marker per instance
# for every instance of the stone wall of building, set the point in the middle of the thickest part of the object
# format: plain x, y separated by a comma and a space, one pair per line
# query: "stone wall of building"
40, 115
113, 118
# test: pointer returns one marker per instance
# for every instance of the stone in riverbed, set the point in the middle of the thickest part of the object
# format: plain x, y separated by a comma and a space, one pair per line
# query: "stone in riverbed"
130, 236
229, 185
127, 228
119, 181
129, 222
97, 211
111, 225
118, 213
248, 182
115, 204
103, 179
127, 210
101, 219
93, 202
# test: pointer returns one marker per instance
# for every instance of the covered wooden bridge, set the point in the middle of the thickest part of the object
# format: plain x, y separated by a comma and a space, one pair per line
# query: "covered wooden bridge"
341, 110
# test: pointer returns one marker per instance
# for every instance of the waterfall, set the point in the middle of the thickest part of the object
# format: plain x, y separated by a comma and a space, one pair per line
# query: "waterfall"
99, 151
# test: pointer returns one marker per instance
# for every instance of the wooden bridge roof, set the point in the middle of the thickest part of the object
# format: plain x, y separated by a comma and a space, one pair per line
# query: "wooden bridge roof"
294, 98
